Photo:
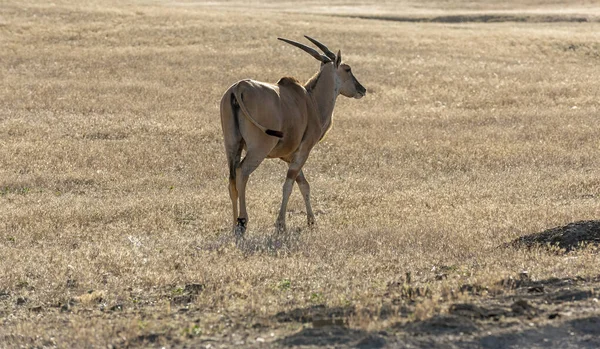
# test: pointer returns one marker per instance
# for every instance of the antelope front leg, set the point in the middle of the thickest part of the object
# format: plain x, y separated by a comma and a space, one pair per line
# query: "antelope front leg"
293, 171
287, 190
305, 190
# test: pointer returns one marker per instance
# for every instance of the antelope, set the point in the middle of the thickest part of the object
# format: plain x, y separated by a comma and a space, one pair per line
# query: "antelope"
283, 120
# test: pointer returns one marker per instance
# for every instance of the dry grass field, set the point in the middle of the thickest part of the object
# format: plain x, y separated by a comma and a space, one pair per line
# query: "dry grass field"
480, 125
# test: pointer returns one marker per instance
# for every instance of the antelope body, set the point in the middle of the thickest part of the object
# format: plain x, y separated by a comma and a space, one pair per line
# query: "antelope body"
284, 120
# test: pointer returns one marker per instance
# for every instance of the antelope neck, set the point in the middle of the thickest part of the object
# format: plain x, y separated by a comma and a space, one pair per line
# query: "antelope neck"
324, 94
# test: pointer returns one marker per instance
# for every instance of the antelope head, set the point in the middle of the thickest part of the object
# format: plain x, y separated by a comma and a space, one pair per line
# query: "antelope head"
346, 83
349, 85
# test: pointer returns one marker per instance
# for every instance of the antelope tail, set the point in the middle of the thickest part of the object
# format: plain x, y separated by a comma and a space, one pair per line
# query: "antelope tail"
246, 113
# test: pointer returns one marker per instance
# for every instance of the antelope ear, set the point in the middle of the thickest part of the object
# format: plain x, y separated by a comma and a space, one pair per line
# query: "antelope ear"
338, 59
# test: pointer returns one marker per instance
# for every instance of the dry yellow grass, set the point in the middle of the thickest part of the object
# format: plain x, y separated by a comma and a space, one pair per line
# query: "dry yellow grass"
115, 221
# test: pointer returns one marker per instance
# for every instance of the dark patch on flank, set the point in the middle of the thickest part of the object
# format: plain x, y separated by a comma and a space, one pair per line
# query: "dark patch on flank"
274, 133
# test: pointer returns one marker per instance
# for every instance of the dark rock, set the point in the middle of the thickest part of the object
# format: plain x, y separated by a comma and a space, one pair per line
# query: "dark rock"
569, 237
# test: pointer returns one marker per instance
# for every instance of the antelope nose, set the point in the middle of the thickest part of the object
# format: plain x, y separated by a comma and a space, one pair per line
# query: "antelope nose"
362, 90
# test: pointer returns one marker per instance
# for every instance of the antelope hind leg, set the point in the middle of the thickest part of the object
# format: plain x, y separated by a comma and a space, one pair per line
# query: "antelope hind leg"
253, 158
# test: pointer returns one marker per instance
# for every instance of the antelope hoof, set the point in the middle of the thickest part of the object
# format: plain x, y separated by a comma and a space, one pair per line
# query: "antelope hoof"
240, 228
280, 226
239, 232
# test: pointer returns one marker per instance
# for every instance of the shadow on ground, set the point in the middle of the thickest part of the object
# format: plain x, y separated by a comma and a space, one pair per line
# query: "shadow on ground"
452, 332
272, 243
554, 312
577, 333
334, 336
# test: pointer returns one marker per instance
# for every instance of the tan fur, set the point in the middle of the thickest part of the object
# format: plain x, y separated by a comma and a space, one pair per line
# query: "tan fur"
288, 80
301, 112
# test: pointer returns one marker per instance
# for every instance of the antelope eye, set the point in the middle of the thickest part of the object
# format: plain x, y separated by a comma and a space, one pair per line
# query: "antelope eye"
348, 70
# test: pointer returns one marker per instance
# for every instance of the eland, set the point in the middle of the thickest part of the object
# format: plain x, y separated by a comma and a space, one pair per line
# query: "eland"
283, 120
